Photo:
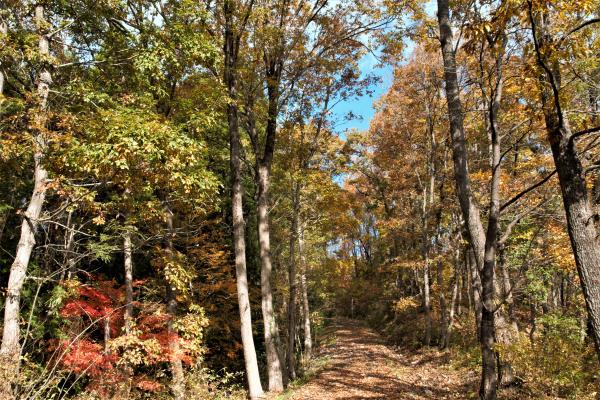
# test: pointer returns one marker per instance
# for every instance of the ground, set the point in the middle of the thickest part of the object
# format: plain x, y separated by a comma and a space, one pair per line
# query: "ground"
357, 364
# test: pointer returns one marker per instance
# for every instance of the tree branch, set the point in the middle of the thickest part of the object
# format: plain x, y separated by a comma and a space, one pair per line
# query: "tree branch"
579, 27
516, 220
583, 132
529, 189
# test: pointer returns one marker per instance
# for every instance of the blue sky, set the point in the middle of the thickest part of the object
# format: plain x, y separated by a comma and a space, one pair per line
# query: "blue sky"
363, 106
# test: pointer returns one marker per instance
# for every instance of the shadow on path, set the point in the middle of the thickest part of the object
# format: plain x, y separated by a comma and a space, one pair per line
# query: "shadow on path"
361, 366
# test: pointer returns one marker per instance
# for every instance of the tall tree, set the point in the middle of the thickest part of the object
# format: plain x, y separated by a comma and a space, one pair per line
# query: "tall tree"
483, 244
567, 157
10, 349
233, 34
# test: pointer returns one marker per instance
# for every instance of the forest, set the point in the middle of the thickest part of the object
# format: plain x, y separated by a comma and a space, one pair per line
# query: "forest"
189, 208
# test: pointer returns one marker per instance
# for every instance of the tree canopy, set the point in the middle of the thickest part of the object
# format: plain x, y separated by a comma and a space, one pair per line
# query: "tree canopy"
181, 215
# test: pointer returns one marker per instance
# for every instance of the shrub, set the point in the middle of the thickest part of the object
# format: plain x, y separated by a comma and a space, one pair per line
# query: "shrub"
557, 362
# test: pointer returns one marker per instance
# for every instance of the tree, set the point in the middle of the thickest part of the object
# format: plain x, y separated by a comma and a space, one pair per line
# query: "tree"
232, 38
10, 349
567, 157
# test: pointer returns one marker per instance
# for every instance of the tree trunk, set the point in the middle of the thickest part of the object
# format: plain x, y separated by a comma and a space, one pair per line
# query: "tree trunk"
270, 324
469, 280
571, 175
304, 288
443, 309
128, 264
274, 66
10, 349
291, 353
455, 302
239, 244
483, 244
490, 358
580, 223
427, 302
506, 324
489, 377
469, 209
426, 286
106, 333
459, 292
3, 32
476, 290
177, 375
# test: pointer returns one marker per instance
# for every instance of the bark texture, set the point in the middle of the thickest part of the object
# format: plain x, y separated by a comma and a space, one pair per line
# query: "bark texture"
274, 66
271, 330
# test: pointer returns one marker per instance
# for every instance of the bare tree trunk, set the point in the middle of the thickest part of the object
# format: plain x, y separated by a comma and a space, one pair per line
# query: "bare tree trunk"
489, 376
128, 264
291, 353
483, 244
270, 323
571, 175
275, 362
469, 208
106, 333
489, 320
231, 54
128, 315
10, 349
304, 288
580, 222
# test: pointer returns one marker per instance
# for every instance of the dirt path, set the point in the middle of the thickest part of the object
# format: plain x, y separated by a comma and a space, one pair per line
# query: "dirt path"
361, 366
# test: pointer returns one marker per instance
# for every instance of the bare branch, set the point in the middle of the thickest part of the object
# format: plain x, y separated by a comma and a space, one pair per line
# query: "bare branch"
579, 27
581, 133
529, 189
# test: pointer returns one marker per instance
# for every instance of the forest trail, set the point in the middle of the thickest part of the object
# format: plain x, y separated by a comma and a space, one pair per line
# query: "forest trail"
361, 366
